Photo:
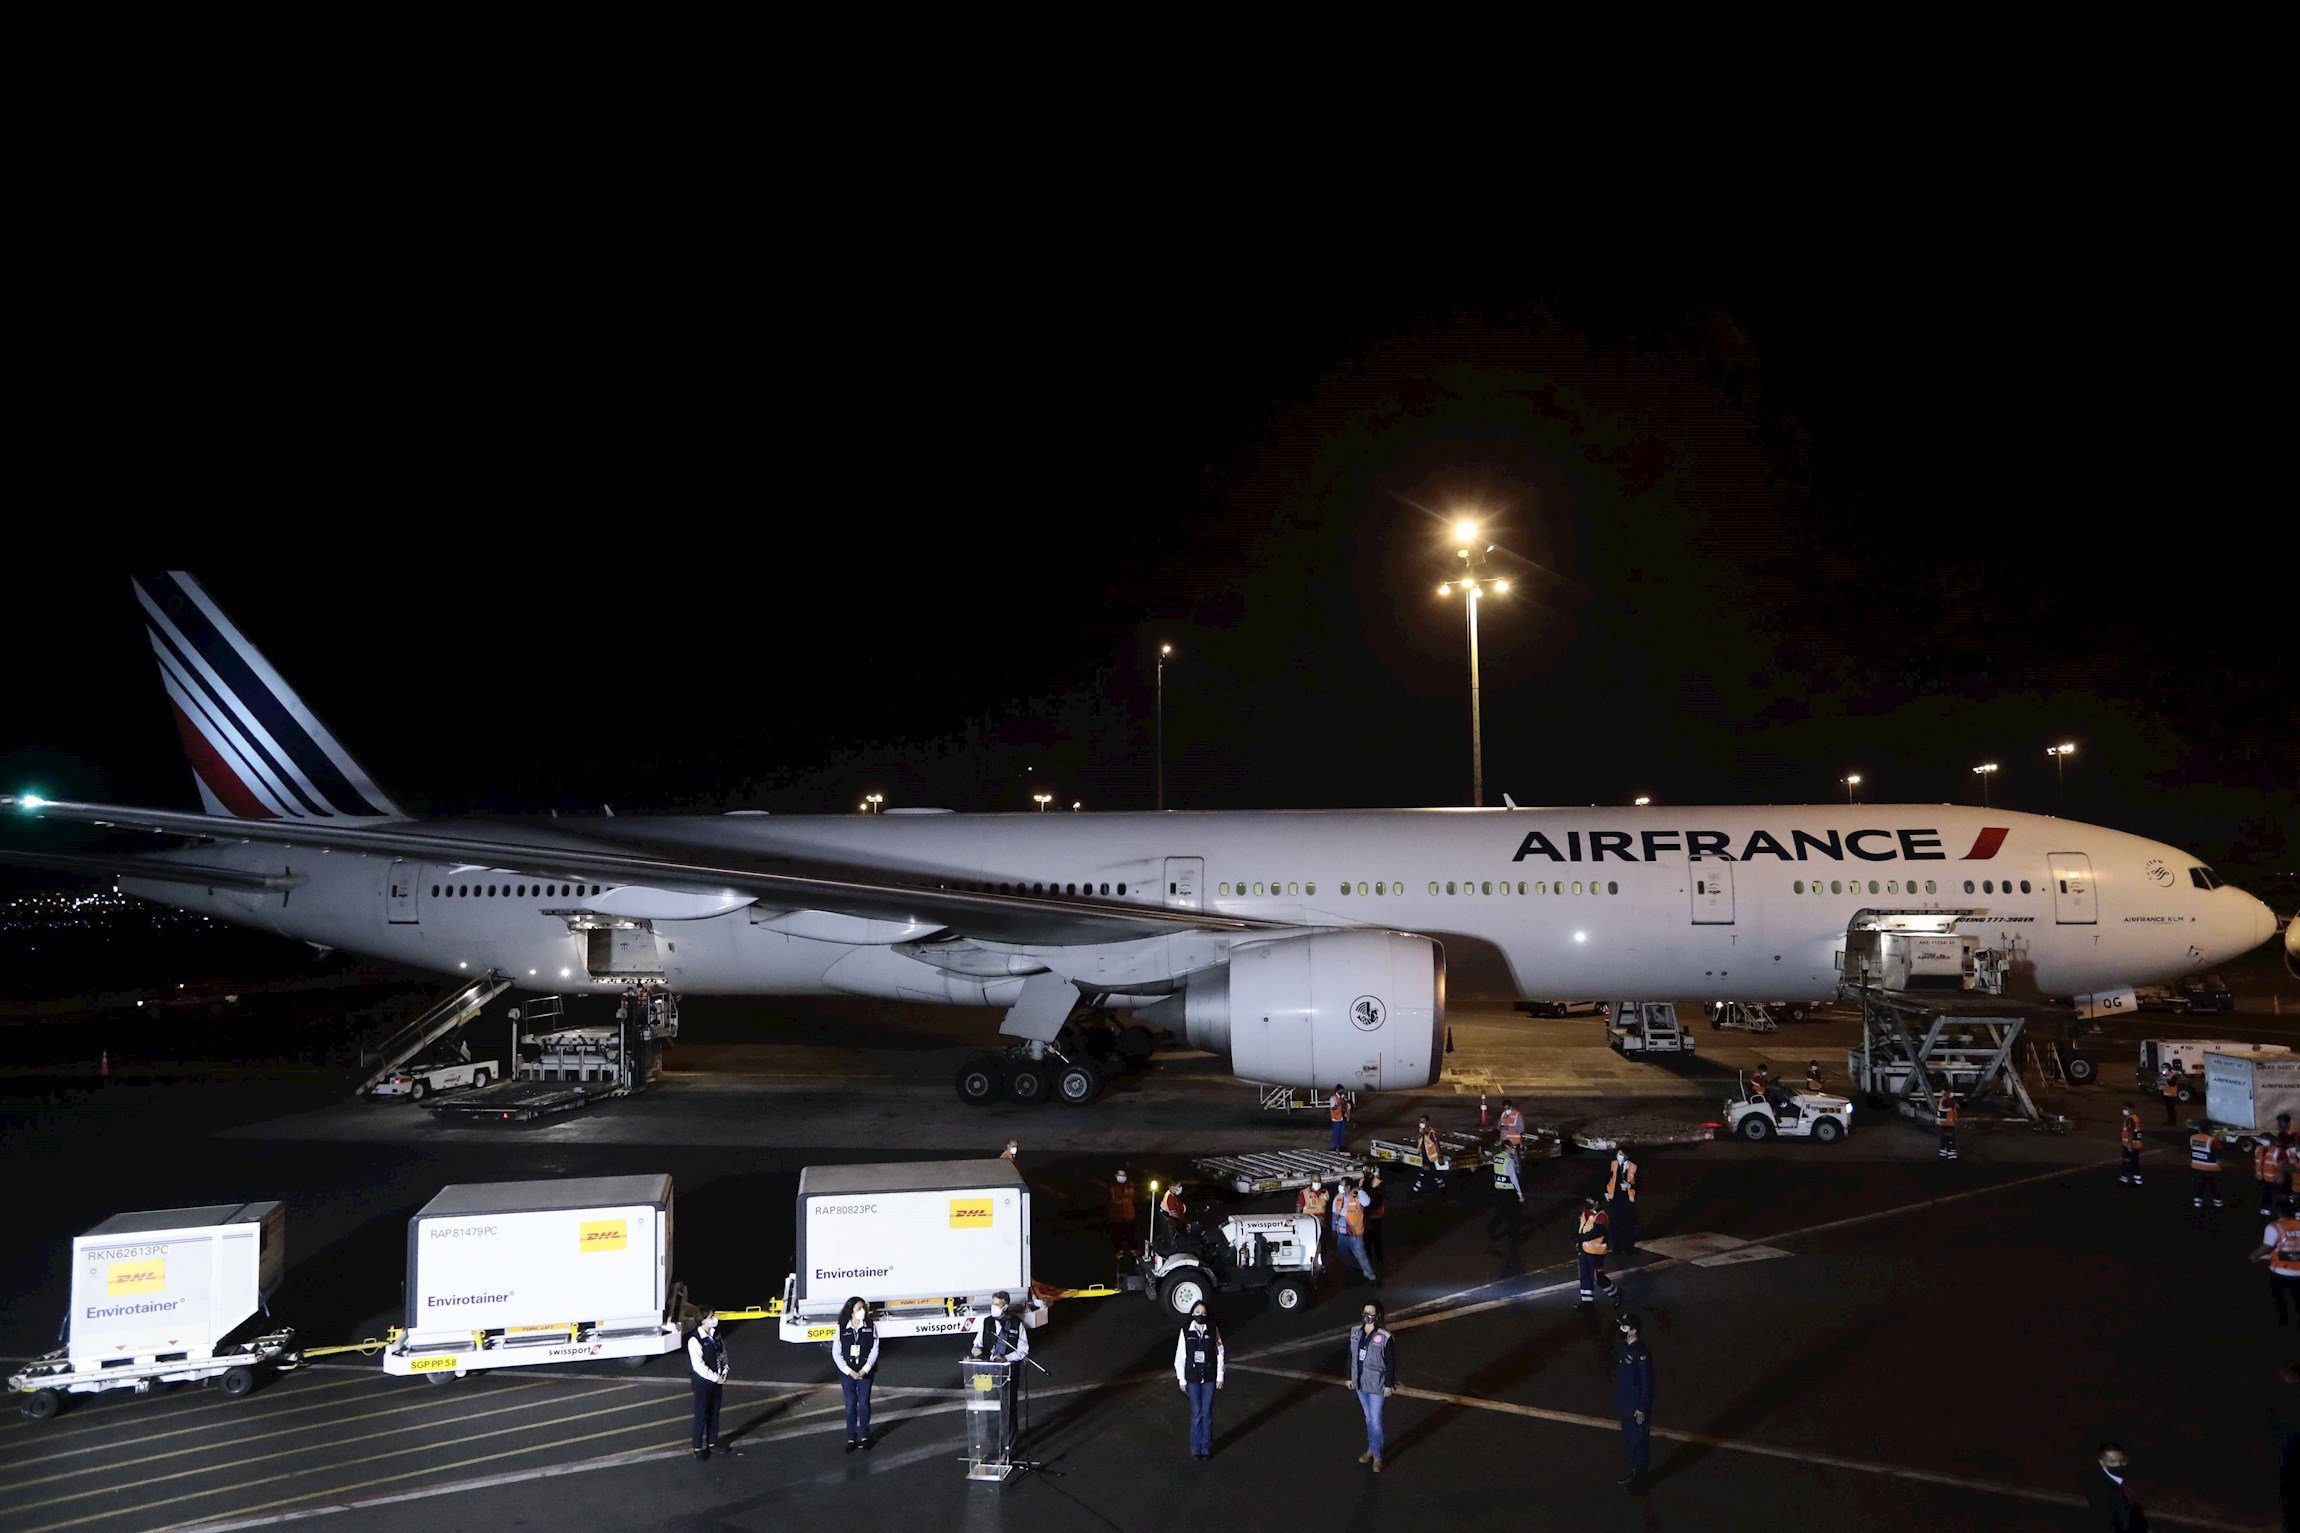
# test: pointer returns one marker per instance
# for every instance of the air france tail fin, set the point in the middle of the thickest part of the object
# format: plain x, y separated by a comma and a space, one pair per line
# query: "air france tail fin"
256, 751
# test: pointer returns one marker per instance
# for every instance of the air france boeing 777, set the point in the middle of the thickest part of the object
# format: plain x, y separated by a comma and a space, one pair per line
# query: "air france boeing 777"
1306, 947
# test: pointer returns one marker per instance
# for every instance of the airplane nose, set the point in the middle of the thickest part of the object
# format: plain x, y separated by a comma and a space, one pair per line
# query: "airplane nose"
2263, 921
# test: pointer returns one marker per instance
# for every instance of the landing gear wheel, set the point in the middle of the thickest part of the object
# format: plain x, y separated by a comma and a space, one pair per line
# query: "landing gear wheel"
2083, 1069
1796, 1013
1183, 1289
1827, 1130
418, 1092
1135, 1045
1756, 1128
1077, 1083
41, 1404
236, 1382
1289, 1295
981, 1080
1029, 1083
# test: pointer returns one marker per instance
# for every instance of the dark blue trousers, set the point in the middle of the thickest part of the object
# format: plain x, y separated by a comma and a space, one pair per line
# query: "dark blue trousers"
857, 1392
1638, 1439
1201, 1417
707, 1395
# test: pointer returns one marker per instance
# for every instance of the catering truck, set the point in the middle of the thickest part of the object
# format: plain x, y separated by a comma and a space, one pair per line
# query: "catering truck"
168, 1297
2245, 1088
924, 1243
513, 1274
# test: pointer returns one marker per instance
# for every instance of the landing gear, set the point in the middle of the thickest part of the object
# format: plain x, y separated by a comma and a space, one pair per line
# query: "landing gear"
1029, 1082
1077, 1083
981, 1080
1072, 1069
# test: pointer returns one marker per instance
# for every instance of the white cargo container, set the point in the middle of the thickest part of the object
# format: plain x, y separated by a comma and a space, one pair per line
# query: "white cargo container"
160, 1298
926, 1243
510, 1274
2245, 1088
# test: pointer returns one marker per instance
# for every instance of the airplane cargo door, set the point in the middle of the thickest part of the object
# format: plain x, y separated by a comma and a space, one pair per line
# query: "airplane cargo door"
1185, 879
399, 893
1712, 885
2072, 889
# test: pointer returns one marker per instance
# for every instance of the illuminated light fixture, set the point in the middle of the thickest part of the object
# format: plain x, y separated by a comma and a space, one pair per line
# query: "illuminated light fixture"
461, 965
1642, 802
1501, 585
1445, 590
563, 973
1464, 530
1042, 800
530, 973
1984, 772
31, 801
1581, 936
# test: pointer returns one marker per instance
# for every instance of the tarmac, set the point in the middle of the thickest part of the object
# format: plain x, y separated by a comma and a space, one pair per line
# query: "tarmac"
1858, 1335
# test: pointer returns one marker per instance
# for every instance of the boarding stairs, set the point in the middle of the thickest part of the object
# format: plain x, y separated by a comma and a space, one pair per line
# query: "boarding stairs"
433, 1023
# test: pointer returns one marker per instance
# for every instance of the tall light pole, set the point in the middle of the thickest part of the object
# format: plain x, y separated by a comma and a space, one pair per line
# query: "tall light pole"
1042, 800
871, 802
1642, 801
1164, 650
2060, 754
1984, 772
1474, 584
1851, 781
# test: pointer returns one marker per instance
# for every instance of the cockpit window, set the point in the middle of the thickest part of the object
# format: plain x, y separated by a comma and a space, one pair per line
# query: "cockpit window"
2202, 878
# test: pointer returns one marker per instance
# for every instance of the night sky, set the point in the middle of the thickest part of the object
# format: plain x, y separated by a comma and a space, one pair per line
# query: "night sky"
715, 535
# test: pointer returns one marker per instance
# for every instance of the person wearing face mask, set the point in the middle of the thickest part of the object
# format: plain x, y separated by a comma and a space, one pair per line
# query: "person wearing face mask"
854, 1353
1621, 1200
1373, 1365
2104, 1492
1199, 1362
1002, 1338
707, 1373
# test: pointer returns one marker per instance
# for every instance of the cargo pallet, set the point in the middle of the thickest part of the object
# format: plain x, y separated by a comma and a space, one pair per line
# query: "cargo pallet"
1280, 1170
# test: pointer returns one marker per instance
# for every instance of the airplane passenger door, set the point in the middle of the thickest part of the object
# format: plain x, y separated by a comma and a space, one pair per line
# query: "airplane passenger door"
2072, 889
399, 893
1712, 884
1185, 883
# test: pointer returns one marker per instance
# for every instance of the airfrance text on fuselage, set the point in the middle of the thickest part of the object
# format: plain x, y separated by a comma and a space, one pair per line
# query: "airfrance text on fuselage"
1648, 845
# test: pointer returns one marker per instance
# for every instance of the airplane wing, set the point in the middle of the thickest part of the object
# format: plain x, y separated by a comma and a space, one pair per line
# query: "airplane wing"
166, 872
872, 893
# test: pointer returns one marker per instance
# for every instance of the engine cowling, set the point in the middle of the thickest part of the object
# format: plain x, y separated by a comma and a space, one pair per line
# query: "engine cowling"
1363, 1009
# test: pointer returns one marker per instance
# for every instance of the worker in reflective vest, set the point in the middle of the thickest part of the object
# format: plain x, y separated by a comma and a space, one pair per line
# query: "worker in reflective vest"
2204, 1160
854, 1353
1761, 1077
1813, 1077
1945, 1119
707, 1373
1200, 1360
1118, 1214
1426, 1144
2168, 1087
2272, 1163
1339, 1112
2280, 1249
1512, 1122
1312, 1199
1508, 1159
1350, 1229
1621, 1199
2128, 1138
1374, 1196
1590, 1252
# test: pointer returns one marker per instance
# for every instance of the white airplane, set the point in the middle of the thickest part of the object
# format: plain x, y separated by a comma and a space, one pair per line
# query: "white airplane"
1308, 948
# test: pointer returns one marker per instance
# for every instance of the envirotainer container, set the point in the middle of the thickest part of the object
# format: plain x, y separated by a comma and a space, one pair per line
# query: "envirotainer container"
502, 1274
174, 1280
925, 1242
2247, 1088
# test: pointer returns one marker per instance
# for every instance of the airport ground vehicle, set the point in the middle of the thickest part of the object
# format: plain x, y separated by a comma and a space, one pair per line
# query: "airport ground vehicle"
1563, 1008
164, 1298
2246, 1087
415, 1082
2186, 1056
1275, 1254
2195, 992
514, 1274
1759, 1116
1747, 1016
925, 1243
1647, 1027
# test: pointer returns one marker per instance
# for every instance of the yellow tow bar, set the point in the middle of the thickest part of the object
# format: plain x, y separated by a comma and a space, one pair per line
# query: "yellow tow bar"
367, 1348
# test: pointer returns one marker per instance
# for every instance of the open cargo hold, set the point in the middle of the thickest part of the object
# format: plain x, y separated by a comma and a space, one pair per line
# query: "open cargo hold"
503, 1274
926, 1243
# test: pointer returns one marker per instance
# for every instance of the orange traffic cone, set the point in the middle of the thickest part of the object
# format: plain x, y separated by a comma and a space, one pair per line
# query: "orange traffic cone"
104, 1064
1483, 1121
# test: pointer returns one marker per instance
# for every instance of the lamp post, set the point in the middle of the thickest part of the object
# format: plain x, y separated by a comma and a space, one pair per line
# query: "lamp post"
2060, 754
1851, 781
1984, 772
1641, 802
1474, 584
1042, 800
871, 802
1164, 650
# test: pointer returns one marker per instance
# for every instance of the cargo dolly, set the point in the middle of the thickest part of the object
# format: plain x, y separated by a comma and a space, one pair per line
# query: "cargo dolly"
233, 1368
1467, 1149
1280, 1170
562, 1069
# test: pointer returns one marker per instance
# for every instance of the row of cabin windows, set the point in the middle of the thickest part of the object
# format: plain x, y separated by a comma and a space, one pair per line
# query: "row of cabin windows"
1388, 886
1893, 886
978, 886
518, 892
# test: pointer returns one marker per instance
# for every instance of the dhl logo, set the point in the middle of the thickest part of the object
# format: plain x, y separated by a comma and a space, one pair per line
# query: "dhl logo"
970, 1213
148, 1276
604, 1235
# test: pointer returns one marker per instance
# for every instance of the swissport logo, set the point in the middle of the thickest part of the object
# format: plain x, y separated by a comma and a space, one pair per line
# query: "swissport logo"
1367, 1013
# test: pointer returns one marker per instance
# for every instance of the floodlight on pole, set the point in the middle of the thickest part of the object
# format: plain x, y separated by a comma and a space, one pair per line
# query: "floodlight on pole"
1165, 651
872, 801
2060, 754
1851, 781
1641, 802
1474, 585
1984, 772
1042, 800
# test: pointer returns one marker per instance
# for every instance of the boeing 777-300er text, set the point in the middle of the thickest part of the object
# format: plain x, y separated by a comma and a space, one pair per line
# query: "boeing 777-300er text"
1305, 947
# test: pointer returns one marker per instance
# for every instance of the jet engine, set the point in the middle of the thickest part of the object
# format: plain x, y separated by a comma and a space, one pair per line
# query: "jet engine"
1362, 1009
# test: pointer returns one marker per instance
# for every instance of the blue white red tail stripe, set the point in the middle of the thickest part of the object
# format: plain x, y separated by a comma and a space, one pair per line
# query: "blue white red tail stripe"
256, 751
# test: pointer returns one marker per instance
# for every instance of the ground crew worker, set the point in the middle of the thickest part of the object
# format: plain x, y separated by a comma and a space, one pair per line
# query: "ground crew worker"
2272, 1164
1350, 1229
1505, 1166
707, 1374
1589, 1236
1945, 1119
1002, 1338
1118, 1214
2280, 1249
1761, 1078
2168, 1087
2204, 1160
1813, 1077
1621, 1199
1633, 1401
1426, 1143
1339, 1112
2128, 1137
1199, 1363
1177, 1211
854, 1353
1312, 1200
1008, 1154
1373, 1373
1374, 1198
1512, 1123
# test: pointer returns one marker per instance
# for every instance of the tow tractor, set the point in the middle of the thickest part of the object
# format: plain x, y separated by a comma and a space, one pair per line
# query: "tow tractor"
1757, 1115
1275, 1254
415, 1082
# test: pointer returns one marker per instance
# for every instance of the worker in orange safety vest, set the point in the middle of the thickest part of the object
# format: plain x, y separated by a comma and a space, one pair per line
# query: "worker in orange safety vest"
1512, 1122
2128, 1139
1945, 1119
1313, 1199
1427, 1146
2168, 1088
2204, 1160
1590, 1250
2272, 1163
2280, 1249
1813, 1078
1339, 1113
